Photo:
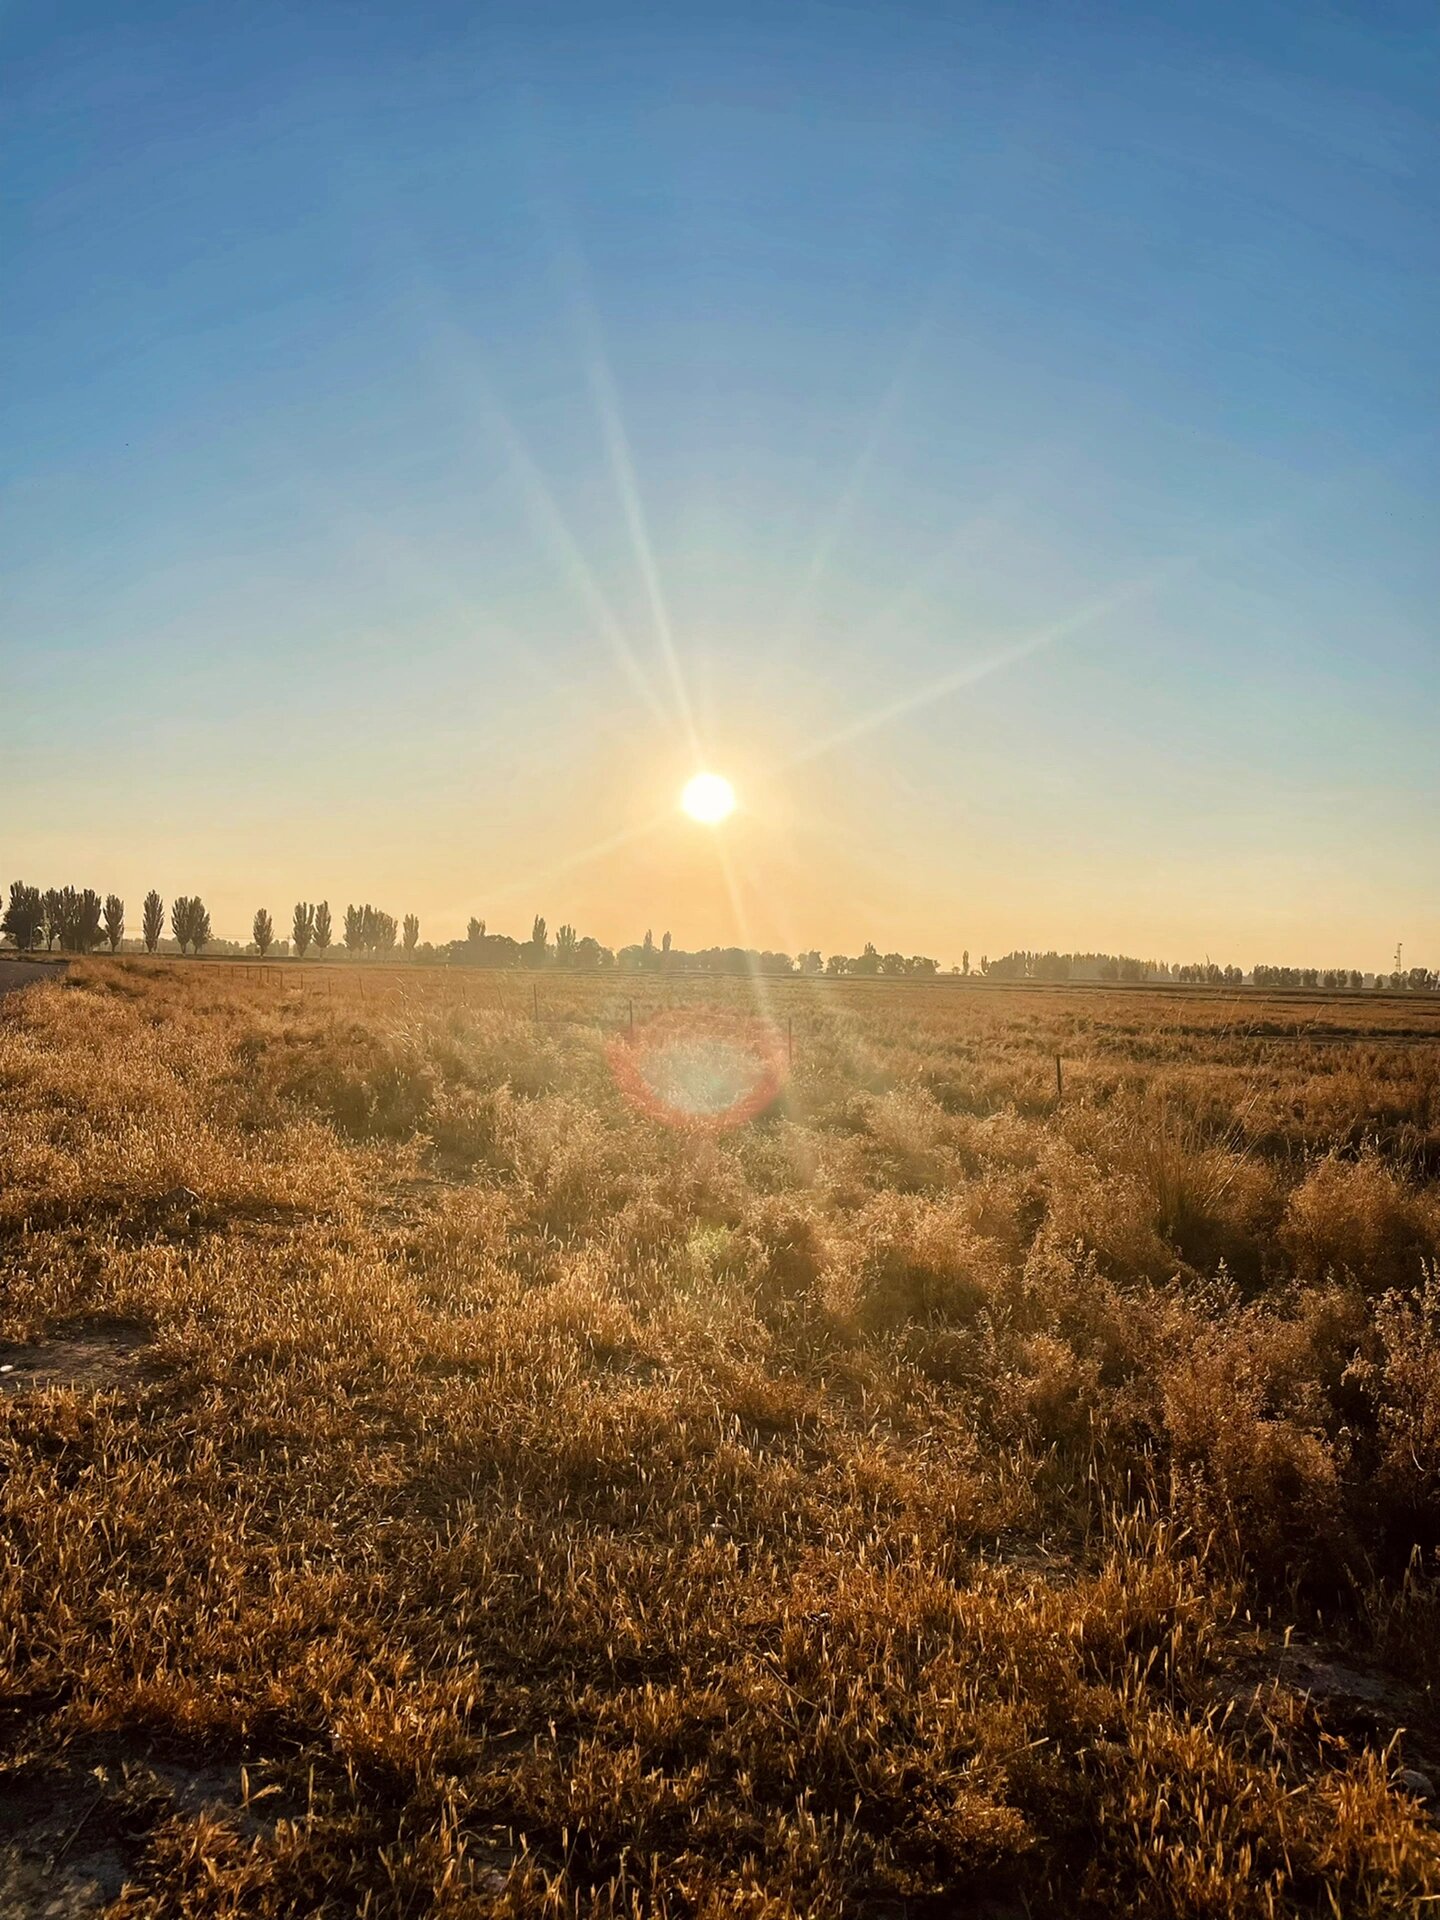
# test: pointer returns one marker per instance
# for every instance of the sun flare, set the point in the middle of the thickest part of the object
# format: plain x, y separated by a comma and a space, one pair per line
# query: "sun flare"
708, 798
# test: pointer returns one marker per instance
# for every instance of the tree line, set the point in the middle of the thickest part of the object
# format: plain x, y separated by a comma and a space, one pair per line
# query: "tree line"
570, 950
1025, 965
79, 920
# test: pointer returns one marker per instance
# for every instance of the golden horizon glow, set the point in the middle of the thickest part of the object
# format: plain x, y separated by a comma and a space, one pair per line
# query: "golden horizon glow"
708, 798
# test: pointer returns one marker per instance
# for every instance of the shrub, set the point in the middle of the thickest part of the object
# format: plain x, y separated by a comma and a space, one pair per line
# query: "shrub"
1358, 1217
914, 1262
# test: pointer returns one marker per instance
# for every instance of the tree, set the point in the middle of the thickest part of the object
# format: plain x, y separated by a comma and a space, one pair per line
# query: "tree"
565, 946
79, 916
369, 929
302, 928
965, 961
24, 920
587, 951
537, 949
475, 931
152, 923
868, 962
66, 909
412, 932
323, 934
836, 965
647, 950
54, 919
263, 928
114, 920
811, 962
190, 923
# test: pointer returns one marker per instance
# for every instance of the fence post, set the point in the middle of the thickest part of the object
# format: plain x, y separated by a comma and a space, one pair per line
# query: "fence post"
1059, 1080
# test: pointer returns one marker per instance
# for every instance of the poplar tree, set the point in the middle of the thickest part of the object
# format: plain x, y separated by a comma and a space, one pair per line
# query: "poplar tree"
78, 916
24, 920
190, 923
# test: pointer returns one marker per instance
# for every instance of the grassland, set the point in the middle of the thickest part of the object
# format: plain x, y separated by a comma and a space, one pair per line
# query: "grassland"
433, 1485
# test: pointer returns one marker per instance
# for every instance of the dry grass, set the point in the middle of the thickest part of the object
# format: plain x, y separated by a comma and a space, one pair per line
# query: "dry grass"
897, 1506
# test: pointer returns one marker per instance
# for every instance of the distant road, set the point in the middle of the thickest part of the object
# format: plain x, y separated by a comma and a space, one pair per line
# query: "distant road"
28, 973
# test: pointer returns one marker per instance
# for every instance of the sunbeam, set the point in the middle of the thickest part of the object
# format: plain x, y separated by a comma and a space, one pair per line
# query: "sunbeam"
375, 546
807, 590
758, 983
617, 445
569, 261
585, 856
977, 670
543, 506
460, 356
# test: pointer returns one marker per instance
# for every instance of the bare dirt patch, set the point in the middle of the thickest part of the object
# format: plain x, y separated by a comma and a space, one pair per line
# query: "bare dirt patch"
96, 1356
1347, 1701
59, 1853
71, 1836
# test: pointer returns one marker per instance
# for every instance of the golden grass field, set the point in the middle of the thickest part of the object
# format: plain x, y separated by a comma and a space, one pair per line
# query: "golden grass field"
933, 1498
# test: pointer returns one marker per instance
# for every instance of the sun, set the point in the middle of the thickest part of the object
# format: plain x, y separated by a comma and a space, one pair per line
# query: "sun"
708, 798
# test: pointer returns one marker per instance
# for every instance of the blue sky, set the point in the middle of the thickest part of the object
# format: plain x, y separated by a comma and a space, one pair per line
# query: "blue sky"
1004, 439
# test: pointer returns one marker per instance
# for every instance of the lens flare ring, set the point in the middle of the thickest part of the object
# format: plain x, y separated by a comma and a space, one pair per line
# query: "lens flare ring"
701, 1072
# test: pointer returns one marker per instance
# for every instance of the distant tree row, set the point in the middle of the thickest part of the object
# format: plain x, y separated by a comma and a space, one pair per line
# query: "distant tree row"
74, 919
570, 950
1412, 980
366, 930
1023, 964
78, 920
1264, 976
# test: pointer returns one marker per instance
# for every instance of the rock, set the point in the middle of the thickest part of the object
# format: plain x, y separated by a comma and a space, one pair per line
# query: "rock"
1411, 1780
